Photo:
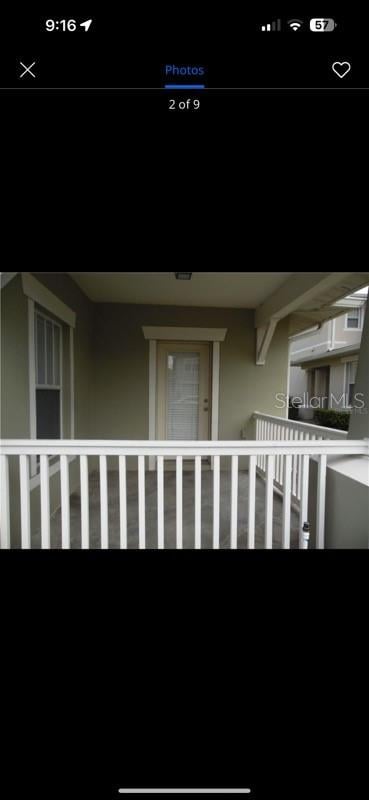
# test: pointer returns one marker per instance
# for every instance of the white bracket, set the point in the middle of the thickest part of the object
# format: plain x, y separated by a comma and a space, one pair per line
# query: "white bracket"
264, 337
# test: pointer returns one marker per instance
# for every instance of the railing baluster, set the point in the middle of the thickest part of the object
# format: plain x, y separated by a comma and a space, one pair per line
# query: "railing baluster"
65, 502
304, 497
141, 503
104, 516
265, 438
85, 515
286, 515
320, 504
5, 508
160, 479
299, 485
216, 501
259, 437
45, 502
25, 502
197, 502
252, 499
278, 458
179, 502
269, 503
294, 436
234, 502
123, 502
281, 459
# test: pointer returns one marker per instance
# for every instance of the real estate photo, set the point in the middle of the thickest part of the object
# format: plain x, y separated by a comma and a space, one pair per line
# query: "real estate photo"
184, 410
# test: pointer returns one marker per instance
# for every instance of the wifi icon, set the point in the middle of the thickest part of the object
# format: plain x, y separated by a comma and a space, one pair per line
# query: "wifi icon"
295, 24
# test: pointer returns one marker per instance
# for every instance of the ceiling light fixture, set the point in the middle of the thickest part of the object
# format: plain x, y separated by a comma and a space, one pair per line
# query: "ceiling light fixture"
183, 276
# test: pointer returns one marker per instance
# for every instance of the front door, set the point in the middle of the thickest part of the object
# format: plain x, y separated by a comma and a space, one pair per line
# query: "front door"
183, 391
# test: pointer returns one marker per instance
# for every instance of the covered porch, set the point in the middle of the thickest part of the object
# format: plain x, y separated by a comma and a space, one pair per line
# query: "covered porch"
129, 413
170, 533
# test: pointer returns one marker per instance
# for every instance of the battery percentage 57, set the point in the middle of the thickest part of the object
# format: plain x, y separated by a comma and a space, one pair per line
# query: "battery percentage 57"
322, 25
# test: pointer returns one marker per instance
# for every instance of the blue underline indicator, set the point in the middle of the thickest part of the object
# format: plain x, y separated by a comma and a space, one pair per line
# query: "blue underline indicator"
184, 86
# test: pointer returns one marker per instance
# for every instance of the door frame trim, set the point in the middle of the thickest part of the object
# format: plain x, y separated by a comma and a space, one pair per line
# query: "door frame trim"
213, 335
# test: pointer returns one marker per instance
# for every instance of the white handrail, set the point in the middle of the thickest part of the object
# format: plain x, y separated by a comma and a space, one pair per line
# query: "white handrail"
188, 449
284, 462
302, 426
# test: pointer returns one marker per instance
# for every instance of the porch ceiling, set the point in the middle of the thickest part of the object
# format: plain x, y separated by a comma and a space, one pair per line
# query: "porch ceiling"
212, 289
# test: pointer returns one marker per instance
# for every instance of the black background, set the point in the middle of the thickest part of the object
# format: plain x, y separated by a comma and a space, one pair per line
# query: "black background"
183, 669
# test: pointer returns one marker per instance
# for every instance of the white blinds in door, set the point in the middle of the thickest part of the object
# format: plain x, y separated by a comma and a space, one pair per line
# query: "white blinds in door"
183, 378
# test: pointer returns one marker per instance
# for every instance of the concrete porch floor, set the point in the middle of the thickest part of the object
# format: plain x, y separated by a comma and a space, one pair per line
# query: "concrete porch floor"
170, 512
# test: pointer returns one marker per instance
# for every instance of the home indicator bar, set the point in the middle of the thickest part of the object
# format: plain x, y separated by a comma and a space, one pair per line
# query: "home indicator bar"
184, 791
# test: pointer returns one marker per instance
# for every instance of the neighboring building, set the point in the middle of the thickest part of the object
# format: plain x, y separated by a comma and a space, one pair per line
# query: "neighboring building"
323, 362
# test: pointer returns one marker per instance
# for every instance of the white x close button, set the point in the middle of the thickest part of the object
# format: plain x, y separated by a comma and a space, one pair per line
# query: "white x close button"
25, 71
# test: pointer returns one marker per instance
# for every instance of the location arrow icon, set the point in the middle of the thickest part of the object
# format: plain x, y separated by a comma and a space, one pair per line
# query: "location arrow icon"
86, 24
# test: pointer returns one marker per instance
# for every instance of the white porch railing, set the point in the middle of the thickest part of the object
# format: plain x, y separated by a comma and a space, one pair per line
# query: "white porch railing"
276, 429
265, 452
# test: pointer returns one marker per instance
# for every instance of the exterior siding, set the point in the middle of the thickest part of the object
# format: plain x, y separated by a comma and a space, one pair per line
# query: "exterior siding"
121, 374
333, 335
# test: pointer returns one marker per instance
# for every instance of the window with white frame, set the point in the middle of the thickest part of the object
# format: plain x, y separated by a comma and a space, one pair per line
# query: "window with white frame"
353, 319
351, 367
48, 367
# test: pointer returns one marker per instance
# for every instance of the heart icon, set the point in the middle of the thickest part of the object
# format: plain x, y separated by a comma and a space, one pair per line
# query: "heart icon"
341, 68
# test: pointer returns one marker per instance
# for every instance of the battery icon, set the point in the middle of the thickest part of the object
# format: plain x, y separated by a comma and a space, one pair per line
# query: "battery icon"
322, 25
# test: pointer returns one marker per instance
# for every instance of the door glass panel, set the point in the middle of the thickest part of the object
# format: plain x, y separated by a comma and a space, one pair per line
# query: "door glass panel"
183, 381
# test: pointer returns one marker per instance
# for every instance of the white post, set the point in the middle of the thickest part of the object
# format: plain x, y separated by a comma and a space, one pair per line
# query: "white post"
197, 502
65, 501
234, 502
123, 502
269, 503
85, 518
320, 509
25, 502
179, 503
252, 499
45, 502
104, 503
304, 499
286, 530
216, 501
160, 478
141, 503
4, 510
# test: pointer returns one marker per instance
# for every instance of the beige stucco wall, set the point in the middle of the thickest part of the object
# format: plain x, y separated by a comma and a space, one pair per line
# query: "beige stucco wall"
347, 503
121, 374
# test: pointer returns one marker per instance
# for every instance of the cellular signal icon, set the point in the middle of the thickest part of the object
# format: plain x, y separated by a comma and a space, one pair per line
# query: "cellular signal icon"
276, 25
